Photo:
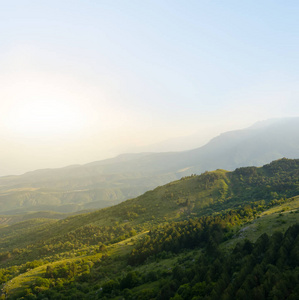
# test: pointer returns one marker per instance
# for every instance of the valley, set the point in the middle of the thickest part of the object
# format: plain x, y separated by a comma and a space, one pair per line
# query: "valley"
108, 182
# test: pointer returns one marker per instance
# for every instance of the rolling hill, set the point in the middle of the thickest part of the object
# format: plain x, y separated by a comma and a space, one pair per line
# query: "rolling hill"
190, 197
104, 183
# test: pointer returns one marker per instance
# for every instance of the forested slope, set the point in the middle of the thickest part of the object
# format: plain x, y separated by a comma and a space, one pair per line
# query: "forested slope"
175, 241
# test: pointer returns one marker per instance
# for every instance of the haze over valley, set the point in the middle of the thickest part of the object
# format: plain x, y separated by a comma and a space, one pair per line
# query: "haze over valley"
107, 182
149, 150
90, 81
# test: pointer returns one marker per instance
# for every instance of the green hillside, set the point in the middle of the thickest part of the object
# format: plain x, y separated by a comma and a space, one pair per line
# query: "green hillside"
12, 219
138, 248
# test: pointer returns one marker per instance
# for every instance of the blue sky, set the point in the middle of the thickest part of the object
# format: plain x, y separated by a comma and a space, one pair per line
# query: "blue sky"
97, 78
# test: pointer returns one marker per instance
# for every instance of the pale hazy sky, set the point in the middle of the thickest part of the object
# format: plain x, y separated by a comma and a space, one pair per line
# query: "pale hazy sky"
86, 80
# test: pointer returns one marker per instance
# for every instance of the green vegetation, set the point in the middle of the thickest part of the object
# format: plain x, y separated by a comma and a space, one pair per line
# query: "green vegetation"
12, 219
220, 234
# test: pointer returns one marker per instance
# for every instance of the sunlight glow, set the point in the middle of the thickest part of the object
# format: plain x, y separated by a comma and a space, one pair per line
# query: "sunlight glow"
43, 119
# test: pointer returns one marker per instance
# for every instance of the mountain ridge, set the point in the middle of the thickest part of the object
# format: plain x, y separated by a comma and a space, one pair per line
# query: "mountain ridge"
103, 183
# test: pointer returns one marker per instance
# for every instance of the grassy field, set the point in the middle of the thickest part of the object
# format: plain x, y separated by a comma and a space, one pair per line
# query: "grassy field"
278, 218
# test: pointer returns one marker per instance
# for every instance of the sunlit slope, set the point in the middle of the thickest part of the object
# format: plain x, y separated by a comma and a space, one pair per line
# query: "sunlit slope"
176, 200
247, 202
189, 197
17, 218
278, 217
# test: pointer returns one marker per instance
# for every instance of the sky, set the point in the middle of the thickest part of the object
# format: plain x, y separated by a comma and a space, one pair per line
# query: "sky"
82, 81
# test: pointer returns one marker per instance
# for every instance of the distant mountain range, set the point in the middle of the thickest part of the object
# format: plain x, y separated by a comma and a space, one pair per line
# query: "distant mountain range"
107, 182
